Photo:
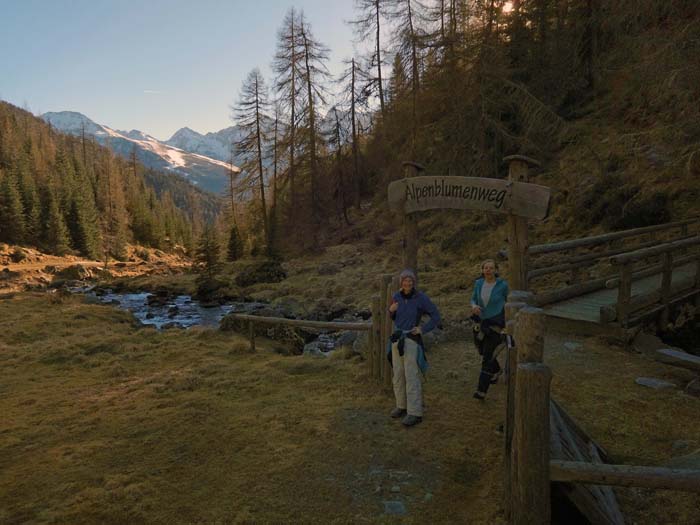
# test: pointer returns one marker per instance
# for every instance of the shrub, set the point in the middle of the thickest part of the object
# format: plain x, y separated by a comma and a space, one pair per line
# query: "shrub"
18, 255
269, 271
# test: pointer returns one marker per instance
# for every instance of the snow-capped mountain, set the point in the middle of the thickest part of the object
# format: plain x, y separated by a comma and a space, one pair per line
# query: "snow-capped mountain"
216, 145
208, 173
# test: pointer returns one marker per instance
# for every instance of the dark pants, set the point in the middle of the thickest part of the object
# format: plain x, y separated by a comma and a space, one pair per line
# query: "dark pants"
489, 364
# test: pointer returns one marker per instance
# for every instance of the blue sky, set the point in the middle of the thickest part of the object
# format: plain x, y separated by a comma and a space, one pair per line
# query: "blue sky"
152, 65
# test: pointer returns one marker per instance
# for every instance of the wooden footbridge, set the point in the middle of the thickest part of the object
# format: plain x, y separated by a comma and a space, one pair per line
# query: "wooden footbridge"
616, 281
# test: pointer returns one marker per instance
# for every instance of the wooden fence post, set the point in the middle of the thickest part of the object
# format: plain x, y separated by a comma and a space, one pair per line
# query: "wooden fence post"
384, 329
517, 226
251, 335
531, 493
391, 288
666, 277
624, 293
516, 301
529, 345
410, 225
529, 334
374, 342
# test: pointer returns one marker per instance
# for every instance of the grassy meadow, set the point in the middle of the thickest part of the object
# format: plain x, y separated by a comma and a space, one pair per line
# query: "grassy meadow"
105, 421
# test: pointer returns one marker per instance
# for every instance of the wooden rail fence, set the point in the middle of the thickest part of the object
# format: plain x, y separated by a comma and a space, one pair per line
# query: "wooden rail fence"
544, 445
592, 270
379, 329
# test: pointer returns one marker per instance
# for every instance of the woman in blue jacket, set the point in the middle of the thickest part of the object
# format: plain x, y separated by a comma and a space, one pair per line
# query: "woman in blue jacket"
488, 309
406, 351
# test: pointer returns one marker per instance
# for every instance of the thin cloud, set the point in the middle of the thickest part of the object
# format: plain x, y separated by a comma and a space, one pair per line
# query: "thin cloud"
153, 92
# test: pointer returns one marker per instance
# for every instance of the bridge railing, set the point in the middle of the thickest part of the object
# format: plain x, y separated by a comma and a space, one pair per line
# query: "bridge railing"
634, 308
579, 266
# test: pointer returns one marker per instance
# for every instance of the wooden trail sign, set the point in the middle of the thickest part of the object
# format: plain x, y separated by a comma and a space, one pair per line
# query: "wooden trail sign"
470, 193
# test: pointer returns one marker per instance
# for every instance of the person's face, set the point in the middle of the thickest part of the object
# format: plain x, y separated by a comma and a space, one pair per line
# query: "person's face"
407, 284
489, 270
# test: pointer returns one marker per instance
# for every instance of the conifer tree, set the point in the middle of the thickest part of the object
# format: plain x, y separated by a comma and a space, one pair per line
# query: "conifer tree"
12, 223
368, 24
250, 111
208, 253
234, 249
55, 232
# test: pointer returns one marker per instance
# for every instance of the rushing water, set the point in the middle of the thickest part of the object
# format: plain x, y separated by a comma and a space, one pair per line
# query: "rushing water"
179, 311
183, 312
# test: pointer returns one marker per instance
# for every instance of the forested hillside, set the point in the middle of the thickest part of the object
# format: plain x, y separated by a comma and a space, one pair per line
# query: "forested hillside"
604, 94
66, 194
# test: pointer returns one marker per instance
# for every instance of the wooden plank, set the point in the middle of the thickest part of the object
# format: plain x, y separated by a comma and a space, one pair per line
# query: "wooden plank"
625, 475
470, 193
678, 358
606, 490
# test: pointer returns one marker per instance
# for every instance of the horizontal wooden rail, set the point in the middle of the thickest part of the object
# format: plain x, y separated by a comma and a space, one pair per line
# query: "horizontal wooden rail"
567, 292
641, 301
321, 325
625, 475
651, 270
646, 314
607, 237
638, 255
581, 261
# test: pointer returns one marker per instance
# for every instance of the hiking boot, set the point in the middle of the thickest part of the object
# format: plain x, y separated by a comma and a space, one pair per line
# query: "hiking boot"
398, 412
494, 378
478, 395
410, 420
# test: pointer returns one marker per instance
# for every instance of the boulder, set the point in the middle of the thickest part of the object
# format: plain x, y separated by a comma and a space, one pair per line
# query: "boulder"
314, 349
76, 272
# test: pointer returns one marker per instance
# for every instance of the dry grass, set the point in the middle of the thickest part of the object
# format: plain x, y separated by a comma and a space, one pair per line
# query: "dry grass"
104, 421
107, 422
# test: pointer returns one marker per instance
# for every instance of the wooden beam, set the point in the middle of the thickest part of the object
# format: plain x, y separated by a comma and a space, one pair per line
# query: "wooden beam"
651, 270
568, 292
517, 300
656, 250
678, 358
410, 226
625, 475
531, 492
529, 335
605, 238
321, 325
375, 343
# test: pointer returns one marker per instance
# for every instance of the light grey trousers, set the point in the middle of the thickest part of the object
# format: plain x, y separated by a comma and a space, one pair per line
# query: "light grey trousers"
408, 388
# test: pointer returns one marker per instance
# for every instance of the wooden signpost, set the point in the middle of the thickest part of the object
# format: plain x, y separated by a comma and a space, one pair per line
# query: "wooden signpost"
470, 193
515, 197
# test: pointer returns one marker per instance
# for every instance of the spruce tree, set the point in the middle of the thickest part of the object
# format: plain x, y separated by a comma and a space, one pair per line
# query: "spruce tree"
235, 244
55, 233
12, 223
208, 252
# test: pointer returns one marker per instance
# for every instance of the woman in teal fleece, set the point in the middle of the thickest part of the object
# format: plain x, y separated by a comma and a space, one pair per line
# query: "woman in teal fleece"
488, 304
